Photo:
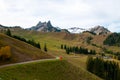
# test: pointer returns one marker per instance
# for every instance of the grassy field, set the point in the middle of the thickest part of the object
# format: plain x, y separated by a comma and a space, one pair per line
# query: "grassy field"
45, 70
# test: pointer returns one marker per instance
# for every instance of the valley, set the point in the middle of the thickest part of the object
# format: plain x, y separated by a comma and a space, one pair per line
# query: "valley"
53, 41
59, 40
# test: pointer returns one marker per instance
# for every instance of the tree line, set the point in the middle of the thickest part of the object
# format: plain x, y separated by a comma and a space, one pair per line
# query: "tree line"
108, 70
77, 50
31, 42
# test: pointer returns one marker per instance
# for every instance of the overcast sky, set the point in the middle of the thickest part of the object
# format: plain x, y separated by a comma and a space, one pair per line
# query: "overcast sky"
61, 13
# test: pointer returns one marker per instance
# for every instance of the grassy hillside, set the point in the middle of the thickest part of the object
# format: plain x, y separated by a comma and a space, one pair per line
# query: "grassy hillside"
45, 70
21, 51
54, 39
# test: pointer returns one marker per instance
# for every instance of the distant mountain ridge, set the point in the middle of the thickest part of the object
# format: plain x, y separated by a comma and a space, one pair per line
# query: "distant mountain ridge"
98, 30
47, 27
12, 28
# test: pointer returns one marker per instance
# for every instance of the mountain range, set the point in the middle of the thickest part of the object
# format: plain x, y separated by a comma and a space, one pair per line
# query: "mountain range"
48, 27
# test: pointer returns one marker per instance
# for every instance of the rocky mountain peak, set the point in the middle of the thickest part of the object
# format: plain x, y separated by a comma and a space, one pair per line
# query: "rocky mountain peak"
46, 27
49, 24
99, 30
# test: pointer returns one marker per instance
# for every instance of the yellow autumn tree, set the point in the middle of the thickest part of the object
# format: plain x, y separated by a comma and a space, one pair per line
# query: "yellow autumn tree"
0, 53
5, 52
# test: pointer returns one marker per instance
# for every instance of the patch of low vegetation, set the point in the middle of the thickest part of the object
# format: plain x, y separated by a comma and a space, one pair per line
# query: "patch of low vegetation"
45, 70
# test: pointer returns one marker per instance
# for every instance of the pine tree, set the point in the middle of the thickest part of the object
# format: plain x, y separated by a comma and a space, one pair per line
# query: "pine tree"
61, 46
67, 50
65, 46
8, 32
90, 64
38, 45
45, 48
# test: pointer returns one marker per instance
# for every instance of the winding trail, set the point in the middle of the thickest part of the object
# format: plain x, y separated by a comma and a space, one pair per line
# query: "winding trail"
7, 65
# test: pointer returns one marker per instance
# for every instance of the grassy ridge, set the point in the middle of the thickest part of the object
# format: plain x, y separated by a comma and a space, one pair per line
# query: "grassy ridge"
45, 70
21, 51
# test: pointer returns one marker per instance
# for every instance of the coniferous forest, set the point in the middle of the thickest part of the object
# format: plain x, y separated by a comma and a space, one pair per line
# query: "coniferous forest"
77, 50
113, 40
108, 70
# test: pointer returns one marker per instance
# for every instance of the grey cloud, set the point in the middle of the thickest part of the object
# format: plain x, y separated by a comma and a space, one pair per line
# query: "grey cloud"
63, 13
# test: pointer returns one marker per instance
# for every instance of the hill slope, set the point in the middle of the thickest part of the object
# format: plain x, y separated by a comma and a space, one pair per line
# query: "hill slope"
54, 41
21, 51
45, 70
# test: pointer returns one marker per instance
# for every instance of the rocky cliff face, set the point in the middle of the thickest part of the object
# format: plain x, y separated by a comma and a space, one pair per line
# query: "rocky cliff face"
99, 30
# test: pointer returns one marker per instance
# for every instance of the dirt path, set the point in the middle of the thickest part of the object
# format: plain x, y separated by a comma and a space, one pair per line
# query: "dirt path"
2, 66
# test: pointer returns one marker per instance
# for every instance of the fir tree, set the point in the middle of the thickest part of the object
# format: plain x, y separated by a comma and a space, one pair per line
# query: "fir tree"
61, 46
67, 50
65, 46
8, 32
45, 48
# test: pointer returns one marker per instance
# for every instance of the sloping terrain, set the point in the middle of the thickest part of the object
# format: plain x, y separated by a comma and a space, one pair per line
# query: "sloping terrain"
55, 39
21, 51
45, 70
